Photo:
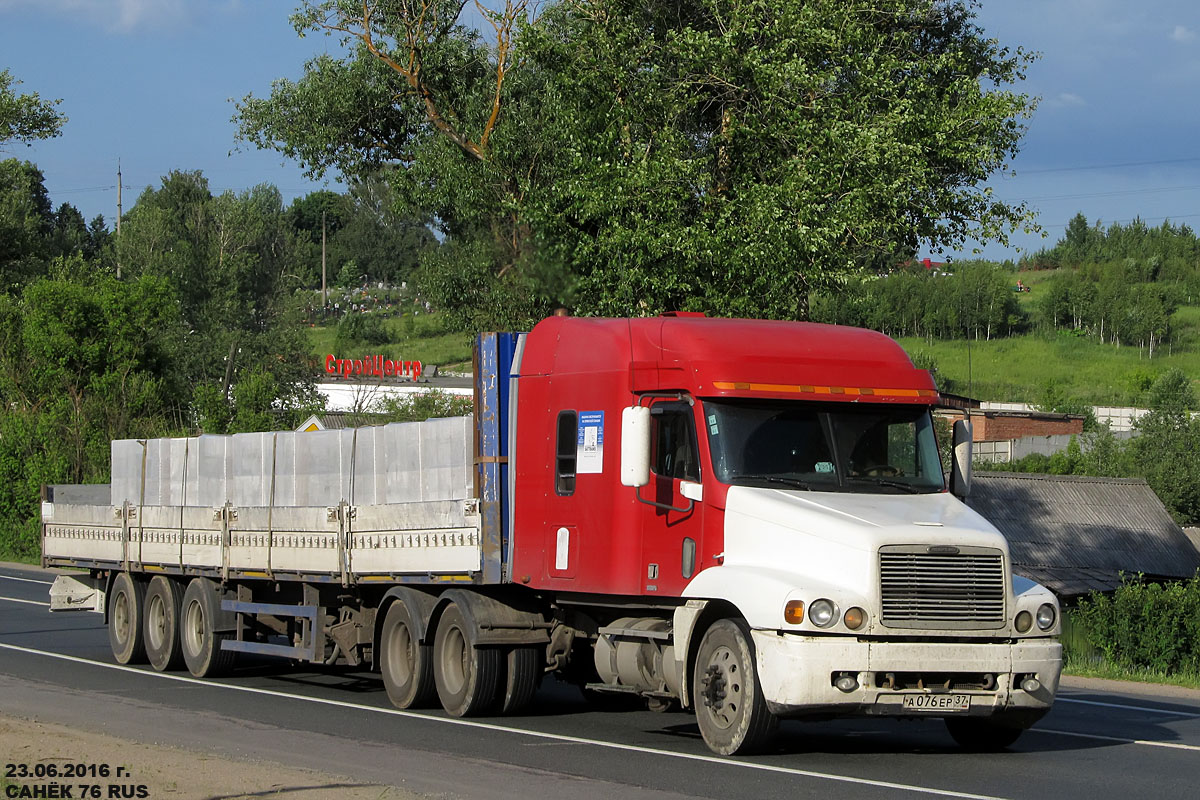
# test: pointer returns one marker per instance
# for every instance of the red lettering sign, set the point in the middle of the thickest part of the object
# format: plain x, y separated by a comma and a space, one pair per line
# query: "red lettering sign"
372, 366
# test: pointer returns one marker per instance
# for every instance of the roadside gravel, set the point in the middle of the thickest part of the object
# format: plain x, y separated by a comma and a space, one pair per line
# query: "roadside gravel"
156, 772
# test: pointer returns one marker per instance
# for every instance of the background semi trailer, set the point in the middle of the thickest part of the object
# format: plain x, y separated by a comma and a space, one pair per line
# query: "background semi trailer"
744, 517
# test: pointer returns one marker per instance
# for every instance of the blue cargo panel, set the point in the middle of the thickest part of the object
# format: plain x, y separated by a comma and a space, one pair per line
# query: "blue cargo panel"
493, 367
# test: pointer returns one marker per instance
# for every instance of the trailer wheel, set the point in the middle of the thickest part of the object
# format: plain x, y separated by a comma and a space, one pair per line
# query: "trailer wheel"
164, 598
979, 735
406, 664
200, 642
125, 605
468, 678
730, 708
522, 676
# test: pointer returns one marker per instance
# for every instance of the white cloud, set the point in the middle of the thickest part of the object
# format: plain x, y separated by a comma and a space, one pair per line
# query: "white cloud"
1066, 100
120, 16
1183, 35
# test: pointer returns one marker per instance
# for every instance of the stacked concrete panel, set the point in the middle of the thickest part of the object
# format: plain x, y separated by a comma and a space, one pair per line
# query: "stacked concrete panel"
398, 463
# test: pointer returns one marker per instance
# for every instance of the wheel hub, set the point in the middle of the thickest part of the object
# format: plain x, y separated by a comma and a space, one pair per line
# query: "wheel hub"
713, 683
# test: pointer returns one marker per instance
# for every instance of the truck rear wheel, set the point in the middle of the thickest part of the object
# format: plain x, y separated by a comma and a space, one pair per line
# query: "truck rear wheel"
163, 600
730, 707
200, 640
468, 678
126, 603
406, 664
522, 676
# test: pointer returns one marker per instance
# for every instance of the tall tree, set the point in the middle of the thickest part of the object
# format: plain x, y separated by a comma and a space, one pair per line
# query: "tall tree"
424, 102
230, 260
726, 155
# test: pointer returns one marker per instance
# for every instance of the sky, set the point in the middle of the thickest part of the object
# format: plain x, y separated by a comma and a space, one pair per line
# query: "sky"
150, 83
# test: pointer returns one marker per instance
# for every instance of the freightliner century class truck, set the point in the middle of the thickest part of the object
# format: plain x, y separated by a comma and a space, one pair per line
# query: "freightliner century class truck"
747, 518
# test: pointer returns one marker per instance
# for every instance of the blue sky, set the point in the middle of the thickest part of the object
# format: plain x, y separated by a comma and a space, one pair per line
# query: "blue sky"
1116, 135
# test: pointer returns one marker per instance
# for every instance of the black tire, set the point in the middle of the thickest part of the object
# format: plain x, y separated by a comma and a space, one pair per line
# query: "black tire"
982, 735
164, 598
468, 678
200, 618
126, 604
730, 707
522, 676
406, 664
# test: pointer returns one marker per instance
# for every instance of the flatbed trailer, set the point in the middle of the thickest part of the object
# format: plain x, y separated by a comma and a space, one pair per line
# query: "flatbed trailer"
741, 517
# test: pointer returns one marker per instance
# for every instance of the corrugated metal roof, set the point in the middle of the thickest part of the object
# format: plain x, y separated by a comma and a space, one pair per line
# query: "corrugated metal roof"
1075, 534
338, 420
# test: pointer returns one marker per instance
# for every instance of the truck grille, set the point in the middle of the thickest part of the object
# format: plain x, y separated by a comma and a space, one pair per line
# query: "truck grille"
920, 589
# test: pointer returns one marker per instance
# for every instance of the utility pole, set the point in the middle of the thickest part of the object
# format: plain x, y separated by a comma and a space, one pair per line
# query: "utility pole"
324, 293
118, 212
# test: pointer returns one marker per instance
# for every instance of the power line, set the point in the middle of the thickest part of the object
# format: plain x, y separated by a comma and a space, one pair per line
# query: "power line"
1106, 166
1155, 220
1111, 193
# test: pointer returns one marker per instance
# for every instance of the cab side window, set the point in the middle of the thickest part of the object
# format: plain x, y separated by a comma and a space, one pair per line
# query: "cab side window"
565, 449
673, 437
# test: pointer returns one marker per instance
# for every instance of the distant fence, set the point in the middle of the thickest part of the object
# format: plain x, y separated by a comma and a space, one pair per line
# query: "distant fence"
1009, 450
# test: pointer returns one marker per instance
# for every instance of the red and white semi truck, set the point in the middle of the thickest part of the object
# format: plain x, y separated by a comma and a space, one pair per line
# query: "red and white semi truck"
748, 518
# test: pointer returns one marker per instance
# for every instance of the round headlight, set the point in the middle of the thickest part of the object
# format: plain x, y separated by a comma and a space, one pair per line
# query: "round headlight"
1046, 615
822, 613
854, 618
1024, 621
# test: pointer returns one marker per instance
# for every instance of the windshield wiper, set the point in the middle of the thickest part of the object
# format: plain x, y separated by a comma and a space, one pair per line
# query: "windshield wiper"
794, 483
908, 487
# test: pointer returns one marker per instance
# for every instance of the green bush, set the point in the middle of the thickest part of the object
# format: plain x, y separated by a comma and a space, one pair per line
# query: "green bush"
1146, 626
427, 405
357, 330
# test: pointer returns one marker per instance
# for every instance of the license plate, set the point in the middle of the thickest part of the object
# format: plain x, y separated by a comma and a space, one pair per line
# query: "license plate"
944, 703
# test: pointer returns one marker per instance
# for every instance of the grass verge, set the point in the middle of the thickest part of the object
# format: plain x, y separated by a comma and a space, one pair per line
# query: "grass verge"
1103, 669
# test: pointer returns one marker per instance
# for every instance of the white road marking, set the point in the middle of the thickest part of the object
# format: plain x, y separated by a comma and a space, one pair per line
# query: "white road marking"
30, 602
725, 762
1147, 709
1098, 737
24, 580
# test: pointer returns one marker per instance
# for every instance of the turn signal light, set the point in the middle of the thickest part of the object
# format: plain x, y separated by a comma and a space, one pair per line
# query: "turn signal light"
793, 612
854, 618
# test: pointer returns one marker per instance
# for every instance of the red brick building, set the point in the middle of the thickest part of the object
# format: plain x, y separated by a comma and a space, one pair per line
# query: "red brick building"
1000, 426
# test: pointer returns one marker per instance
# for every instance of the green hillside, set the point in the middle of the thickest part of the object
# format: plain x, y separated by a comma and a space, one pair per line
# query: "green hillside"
1018, 368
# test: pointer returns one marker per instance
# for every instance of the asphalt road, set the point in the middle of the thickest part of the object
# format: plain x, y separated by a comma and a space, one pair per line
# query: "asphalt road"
1095, 744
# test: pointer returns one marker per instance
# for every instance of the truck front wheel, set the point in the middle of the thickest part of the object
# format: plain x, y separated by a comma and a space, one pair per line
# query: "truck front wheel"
468, 678
730, 708
982, 735
126, 603
406, 664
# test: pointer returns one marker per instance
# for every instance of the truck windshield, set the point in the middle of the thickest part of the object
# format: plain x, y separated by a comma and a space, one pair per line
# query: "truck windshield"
856, 448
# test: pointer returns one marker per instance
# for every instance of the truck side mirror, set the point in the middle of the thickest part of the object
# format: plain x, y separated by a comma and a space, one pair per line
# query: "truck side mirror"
960, 460
635, 446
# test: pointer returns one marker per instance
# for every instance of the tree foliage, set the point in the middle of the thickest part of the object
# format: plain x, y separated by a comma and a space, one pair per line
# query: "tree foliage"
78, 369
26, 118
228, 258
735, 156
973, 300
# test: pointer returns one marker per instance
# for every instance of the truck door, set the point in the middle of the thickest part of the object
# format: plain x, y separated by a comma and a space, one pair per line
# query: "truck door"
672, 527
